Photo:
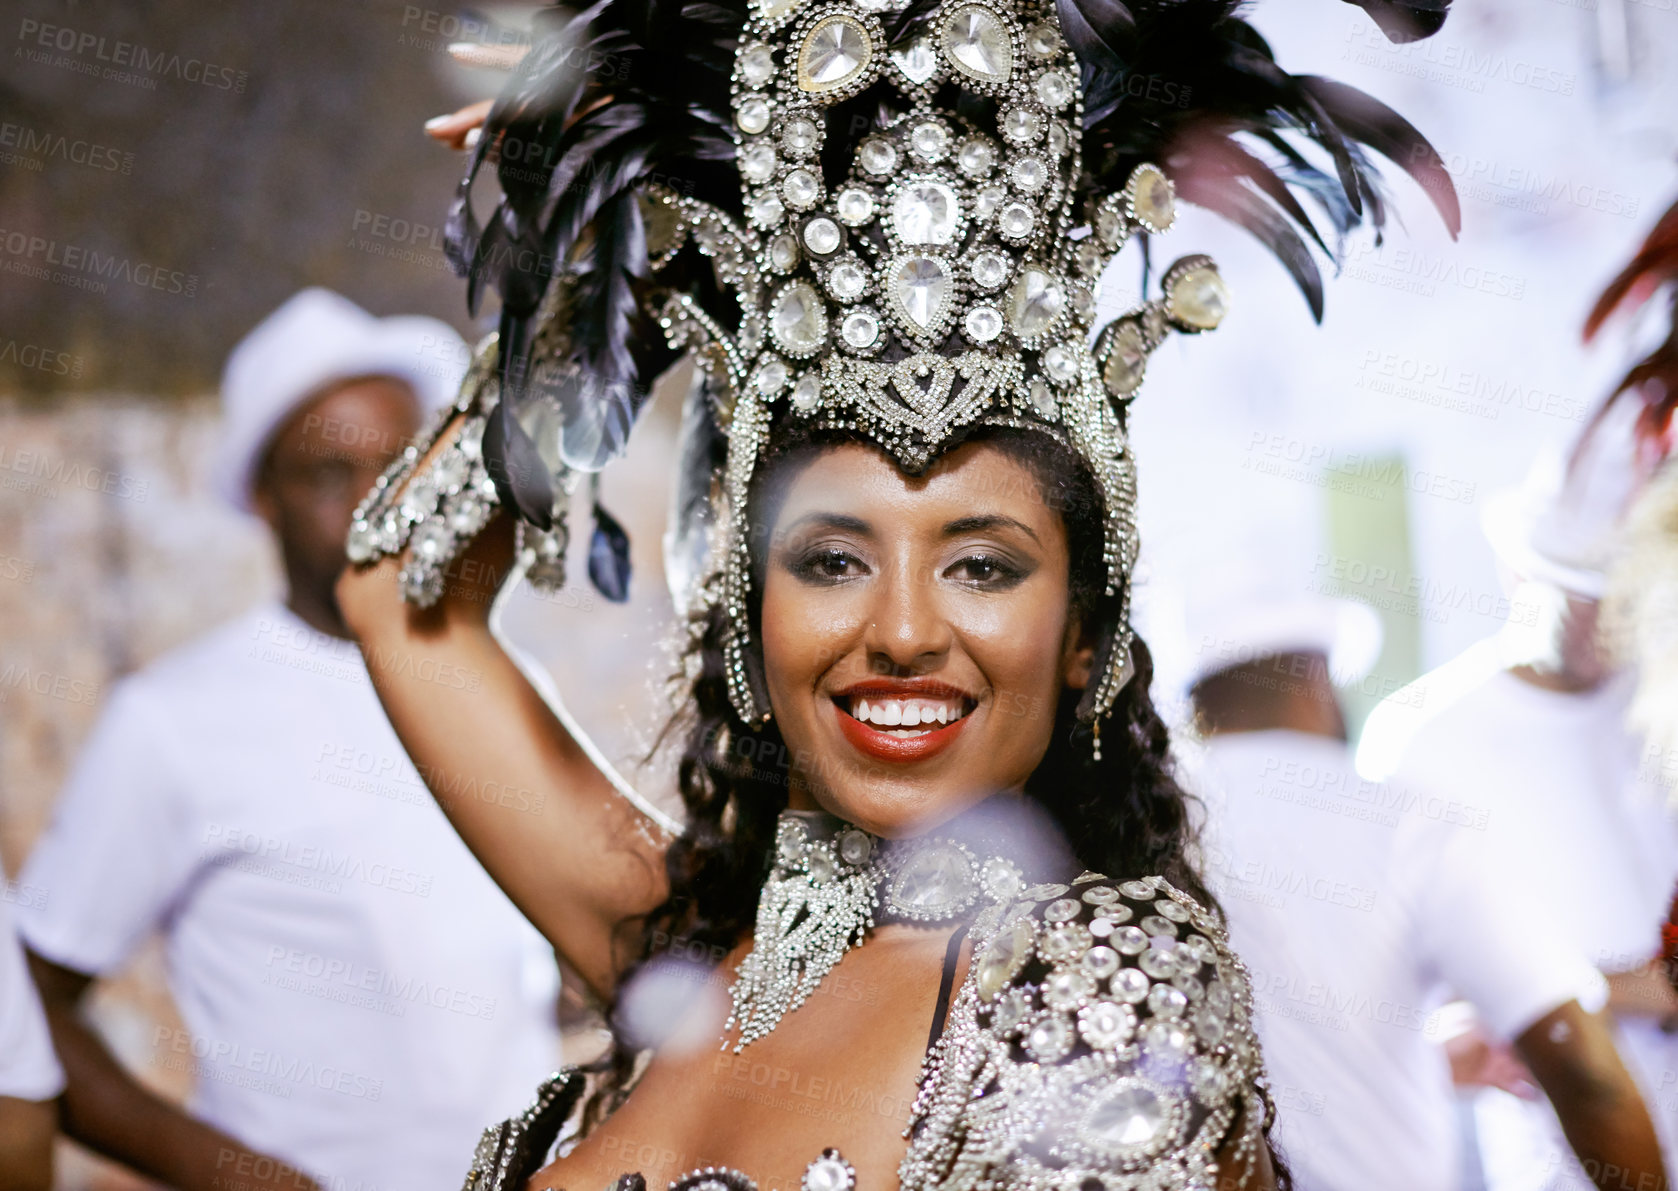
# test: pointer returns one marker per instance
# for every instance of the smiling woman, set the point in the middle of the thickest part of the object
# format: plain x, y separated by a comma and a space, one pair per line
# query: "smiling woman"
930, 826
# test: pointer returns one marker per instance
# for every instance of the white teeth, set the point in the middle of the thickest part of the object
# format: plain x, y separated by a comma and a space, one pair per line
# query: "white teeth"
907, 713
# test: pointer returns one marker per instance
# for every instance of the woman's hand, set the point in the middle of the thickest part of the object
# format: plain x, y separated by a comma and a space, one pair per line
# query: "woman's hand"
460, 129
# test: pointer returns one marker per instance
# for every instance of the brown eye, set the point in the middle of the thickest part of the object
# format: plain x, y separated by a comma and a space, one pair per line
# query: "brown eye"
829, 564
986, 570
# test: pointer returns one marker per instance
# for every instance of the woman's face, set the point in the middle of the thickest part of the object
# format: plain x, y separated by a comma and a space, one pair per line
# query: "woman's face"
916, 632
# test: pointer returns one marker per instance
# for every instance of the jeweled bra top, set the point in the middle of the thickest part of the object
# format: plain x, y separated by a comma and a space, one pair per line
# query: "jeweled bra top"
1100, 1041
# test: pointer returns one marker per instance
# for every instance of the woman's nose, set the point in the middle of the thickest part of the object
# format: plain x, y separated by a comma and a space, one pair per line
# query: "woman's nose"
907, 629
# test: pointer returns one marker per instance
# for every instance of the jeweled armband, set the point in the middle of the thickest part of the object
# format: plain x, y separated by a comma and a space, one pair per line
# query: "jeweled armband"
433, 510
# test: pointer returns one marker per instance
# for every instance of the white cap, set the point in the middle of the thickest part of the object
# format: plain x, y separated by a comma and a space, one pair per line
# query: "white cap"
1246, 626
1560, 525
1247, 579
315, 339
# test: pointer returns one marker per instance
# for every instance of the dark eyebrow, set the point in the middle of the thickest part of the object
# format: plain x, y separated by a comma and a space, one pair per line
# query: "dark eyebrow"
983, 521
830, 521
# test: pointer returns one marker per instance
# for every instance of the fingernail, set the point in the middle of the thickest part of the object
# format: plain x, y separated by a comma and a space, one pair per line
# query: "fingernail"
437, 122
472, 136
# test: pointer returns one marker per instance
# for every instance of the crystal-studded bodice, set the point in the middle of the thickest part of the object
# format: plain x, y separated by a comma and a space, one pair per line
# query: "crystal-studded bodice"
1102, 1037
1103, 1033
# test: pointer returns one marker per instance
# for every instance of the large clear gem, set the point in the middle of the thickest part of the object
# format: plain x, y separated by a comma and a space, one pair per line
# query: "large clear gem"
1199, 298
1021, 126
835, 52
925, 212
1035, 302
855, 206
918, 60
1049, 1040
855, 846
757, 162
929, 141
1041, 41
771, 378
1059, 363
983, 324
419, 499
976, 42
976, 157
799, 136
757, 65
1042, 399
821, 235
799, 320
361, 546
990, 269
431, 538
829, 1174
921, 286
1053, 90
783, 253
767, 210
1127, 359
801, 190
861, 328
1030, 174
753, 116
878, 156
1016, 220
1128, 1118
1105, 1025
846, 280
1002, 957
934, 882
1152, 199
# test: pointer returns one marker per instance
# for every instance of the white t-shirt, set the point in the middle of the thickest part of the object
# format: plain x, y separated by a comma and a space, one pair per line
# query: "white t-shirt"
28, 1068
1579, 823
1355, 909
360, 999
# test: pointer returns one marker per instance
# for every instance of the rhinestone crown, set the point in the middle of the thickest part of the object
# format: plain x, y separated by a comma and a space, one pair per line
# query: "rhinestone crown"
943, 277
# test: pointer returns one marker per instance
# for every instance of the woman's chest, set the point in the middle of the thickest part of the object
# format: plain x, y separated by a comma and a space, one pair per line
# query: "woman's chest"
840, 1072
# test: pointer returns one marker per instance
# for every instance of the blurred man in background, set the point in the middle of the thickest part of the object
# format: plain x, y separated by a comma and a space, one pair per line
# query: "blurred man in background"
30, 1078
358, 996
1357, 908
1531, 724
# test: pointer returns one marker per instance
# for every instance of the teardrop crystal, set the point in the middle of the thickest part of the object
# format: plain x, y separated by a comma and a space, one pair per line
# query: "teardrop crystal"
921, 286
835, 52
1035, 301
1127, 359
977, 44
799, 320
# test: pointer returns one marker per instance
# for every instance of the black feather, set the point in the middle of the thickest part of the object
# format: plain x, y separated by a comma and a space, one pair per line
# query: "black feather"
608, 556
1203, 88
627, 90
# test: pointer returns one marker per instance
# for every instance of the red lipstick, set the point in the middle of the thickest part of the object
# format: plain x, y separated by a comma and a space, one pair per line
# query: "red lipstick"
883, 746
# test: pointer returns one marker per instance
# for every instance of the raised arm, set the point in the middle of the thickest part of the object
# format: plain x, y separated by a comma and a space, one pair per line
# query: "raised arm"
571, 851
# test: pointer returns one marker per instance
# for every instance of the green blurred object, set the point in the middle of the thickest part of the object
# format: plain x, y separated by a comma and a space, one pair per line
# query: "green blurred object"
1367, 529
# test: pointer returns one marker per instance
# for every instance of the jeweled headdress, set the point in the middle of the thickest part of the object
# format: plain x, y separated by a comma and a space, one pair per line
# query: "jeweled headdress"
885, 217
